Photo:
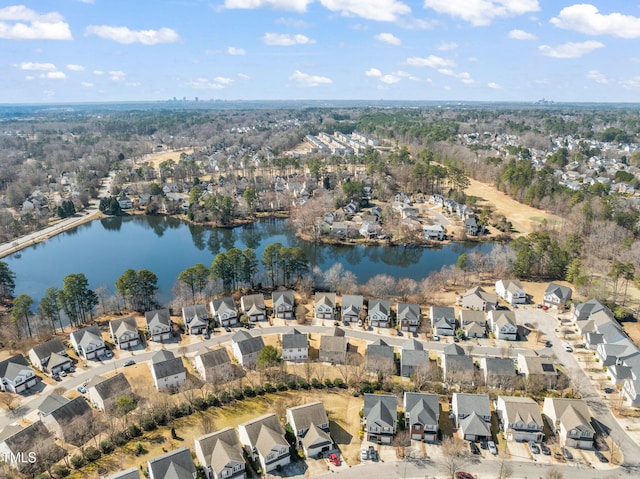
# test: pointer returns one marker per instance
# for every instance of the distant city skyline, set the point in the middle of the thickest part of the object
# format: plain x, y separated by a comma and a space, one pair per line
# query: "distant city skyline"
431, 50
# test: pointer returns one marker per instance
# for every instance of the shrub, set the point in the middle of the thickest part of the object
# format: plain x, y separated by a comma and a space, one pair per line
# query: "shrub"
134, 430
77, 461
119, 438
160, 418
339, 383
148, 424
225, 398
175, 412
106, 446
237, 394
60, 471
200, 404
258, 391
92, 454
328, 382
366, 388
139, 449
249, 391
292, 384
213, 401
303, 384
280, 386
185, 409
269, 387
315, 382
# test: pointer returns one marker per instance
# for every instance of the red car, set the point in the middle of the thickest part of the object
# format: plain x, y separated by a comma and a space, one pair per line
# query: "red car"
464, 475
334, 459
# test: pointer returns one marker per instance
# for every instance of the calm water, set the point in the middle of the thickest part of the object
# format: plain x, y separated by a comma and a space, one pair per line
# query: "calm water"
104, 249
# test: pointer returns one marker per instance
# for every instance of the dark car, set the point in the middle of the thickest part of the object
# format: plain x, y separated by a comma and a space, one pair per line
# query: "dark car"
464, 475
227, 329
529, 326
533, 447
601, 457
608, 390
567, 454
545, 450
206, 335
473, 448
129, 362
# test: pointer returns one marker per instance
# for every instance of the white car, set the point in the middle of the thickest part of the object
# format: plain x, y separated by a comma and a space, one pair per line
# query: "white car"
567, 347
492, 447
364, 454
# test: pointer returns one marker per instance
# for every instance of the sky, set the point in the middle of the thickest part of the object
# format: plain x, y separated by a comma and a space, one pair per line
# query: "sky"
428, 50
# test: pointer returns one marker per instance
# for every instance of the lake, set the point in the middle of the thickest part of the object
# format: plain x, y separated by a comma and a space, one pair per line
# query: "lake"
104, 249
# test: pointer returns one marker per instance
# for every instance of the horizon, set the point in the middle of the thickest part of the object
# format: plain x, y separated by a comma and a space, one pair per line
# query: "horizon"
87, 51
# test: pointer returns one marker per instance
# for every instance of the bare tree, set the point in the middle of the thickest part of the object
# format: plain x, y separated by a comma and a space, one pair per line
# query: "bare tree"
505, 468
455, 455
554, 474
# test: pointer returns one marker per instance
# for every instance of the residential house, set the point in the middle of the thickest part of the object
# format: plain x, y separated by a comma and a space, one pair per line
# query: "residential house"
246, 348
88, 342
369, 229
159, 325
283, 304
443, 320
499, 373
452, 350
520, 418
177, 464
433, 232
196, 318
557, 296
583, 311
220, 455
477, 298
324, 306
333, 348
28, 449
124, 332
472, 227
167, 371
310, 424
472, 416
103, 393
16, 376
50, 357
570, 420
223, 312
378, 313
503, 324
511, 291
538, 370
351, 308
413, 357
295, 346
263, 439
131, 473
380, 416
253, 307
421, 416
214, 365
473, 323
631, 392
68, 419
458, 369
125, 202
408, 315
381, 356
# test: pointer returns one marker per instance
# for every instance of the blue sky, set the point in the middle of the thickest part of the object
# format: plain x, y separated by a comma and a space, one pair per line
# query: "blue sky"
483, 50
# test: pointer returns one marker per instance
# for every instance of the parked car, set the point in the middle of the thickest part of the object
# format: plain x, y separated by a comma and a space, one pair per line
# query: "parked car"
82, 390
108, 354
492, 448
608, 390
129, 362
545, 450
334, 459
373, 454
227, 329
529, 326
63, 374
464, 475
206, 334
364, 454
567, 454
601, 457
548, 344
483, 444
533, 447
57, 378
436, 337
567, 347
473, 448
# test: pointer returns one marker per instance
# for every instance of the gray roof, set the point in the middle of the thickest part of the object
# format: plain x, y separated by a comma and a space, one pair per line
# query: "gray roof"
589, 307
196, 315
176, 464
325, 298
213, 358
120, 326
220, 306
422, 408
251, 301
294, 340
162, 355
158, 317
380, 349
381, 409
412, 344
52, 402
413, 357
468, 316
32, 438
522, 409
128, 474
468, 403
221, 449
379, 305
264, 433
240, 336
408, 311
499, 366
316, 437
352, 302
167, 368
86, 335
333, 343
562, 292
457, 364
57, 359
10, 368
113, 387
475, 425
439, 312
282, 298
307, 414
453, 350
44, 350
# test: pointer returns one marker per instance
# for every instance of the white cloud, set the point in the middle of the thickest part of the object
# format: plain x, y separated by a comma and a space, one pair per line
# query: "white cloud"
585, 18
285, 40
494, 85
306, 80
21, 23
88, 2
631, 83
53, 75
373, 72
289, 5
403, 74
126, 36
432, 61
243, 76
31, 66
445, 47
390, 79
570, 50
389, 38
379, 10
116, 75
597, 76
29, 77
235, 51
223, 80
98, 72
205, 84
133, 84
521, 35
292, 22
75, 68
87, 84
464, 77
482, 12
